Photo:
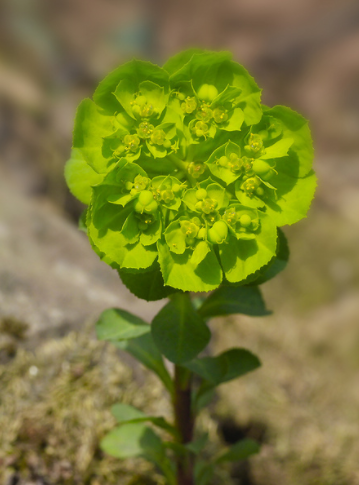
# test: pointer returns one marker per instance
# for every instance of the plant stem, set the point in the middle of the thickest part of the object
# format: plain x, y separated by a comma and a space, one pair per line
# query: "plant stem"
184, 421
180, 164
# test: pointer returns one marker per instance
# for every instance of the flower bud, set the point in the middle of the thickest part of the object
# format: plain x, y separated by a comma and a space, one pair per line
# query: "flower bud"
201, 194
217, 234
204, 114
140, 183
250, 185
147, 110
189, 229
189, 105
158, 137
207, 92
207, 205
167, 196
145, 129
260, 167
200, 129
245, 220
145, 197
255, 144
220, 115
223, 161
196, 169
230, 216
202, 233
131, 142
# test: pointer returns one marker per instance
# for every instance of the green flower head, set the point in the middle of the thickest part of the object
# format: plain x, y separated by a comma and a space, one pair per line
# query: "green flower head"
186, 175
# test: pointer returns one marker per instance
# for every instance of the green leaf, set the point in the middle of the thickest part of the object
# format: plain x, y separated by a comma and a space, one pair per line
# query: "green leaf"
178, 331
205, 68
235, 121
80, 177
179, 60
115, 324
136, 71
254, 202
124, 413
190, 199
229, 94
278, 149
211, 369
154, 94
203, 472
239, 362
203, 396
133, 439
224, 173
120, 199
152, 233
228, 300
278, 263
197, 445
219, 194
179, 272
137, 256
92, 124
104, 230
294, 195
200, 252
240, 258
249, 99
175, 238
148, 285
240, 451
144, 350
295, 127
130, 230
125, 94
82, 221
137, 439
227, 366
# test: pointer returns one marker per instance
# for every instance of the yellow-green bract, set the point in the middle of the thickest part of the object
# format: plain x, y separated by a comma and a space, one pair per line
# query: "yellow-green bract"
186, 175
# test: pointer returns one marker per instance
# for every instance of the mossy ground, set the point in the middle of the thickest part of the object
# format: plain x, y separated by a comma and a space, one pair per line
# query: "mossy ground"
55, 407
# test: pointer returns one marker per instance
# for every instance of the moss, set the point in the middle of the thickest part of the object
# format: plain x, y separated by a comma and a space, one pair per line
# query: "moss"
55, 408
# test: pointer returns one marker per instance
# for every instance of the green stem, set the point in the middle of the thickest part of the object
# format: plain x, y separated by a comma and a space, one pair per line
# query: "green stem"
184, 421
183, 167
180, 164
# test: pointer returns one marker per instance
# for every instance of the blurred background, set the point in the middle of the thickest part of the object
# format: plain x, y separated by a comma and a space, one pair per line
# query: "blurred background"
303, 405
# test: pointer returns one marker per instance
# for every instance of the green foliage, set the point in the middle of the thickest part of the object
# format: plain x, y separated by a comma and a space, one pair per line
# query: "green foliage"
227, 300
187, 176
137, 439
239, 451
188, 179
145, 351
124, 413
229, 365
117, 324
178, 331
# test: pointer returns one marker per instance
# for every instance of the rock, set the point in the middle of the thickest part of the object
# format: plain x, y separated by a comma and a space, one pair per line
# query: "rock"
50, 277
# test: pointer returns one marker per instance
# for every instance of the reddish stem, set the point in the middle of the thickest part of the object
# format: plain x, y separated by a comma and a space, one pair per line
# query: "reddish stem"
184, 421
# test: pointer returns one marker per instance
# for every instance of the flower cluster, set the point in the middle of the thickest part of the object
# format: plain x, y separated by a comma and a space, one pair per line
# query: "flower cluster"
187, 176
